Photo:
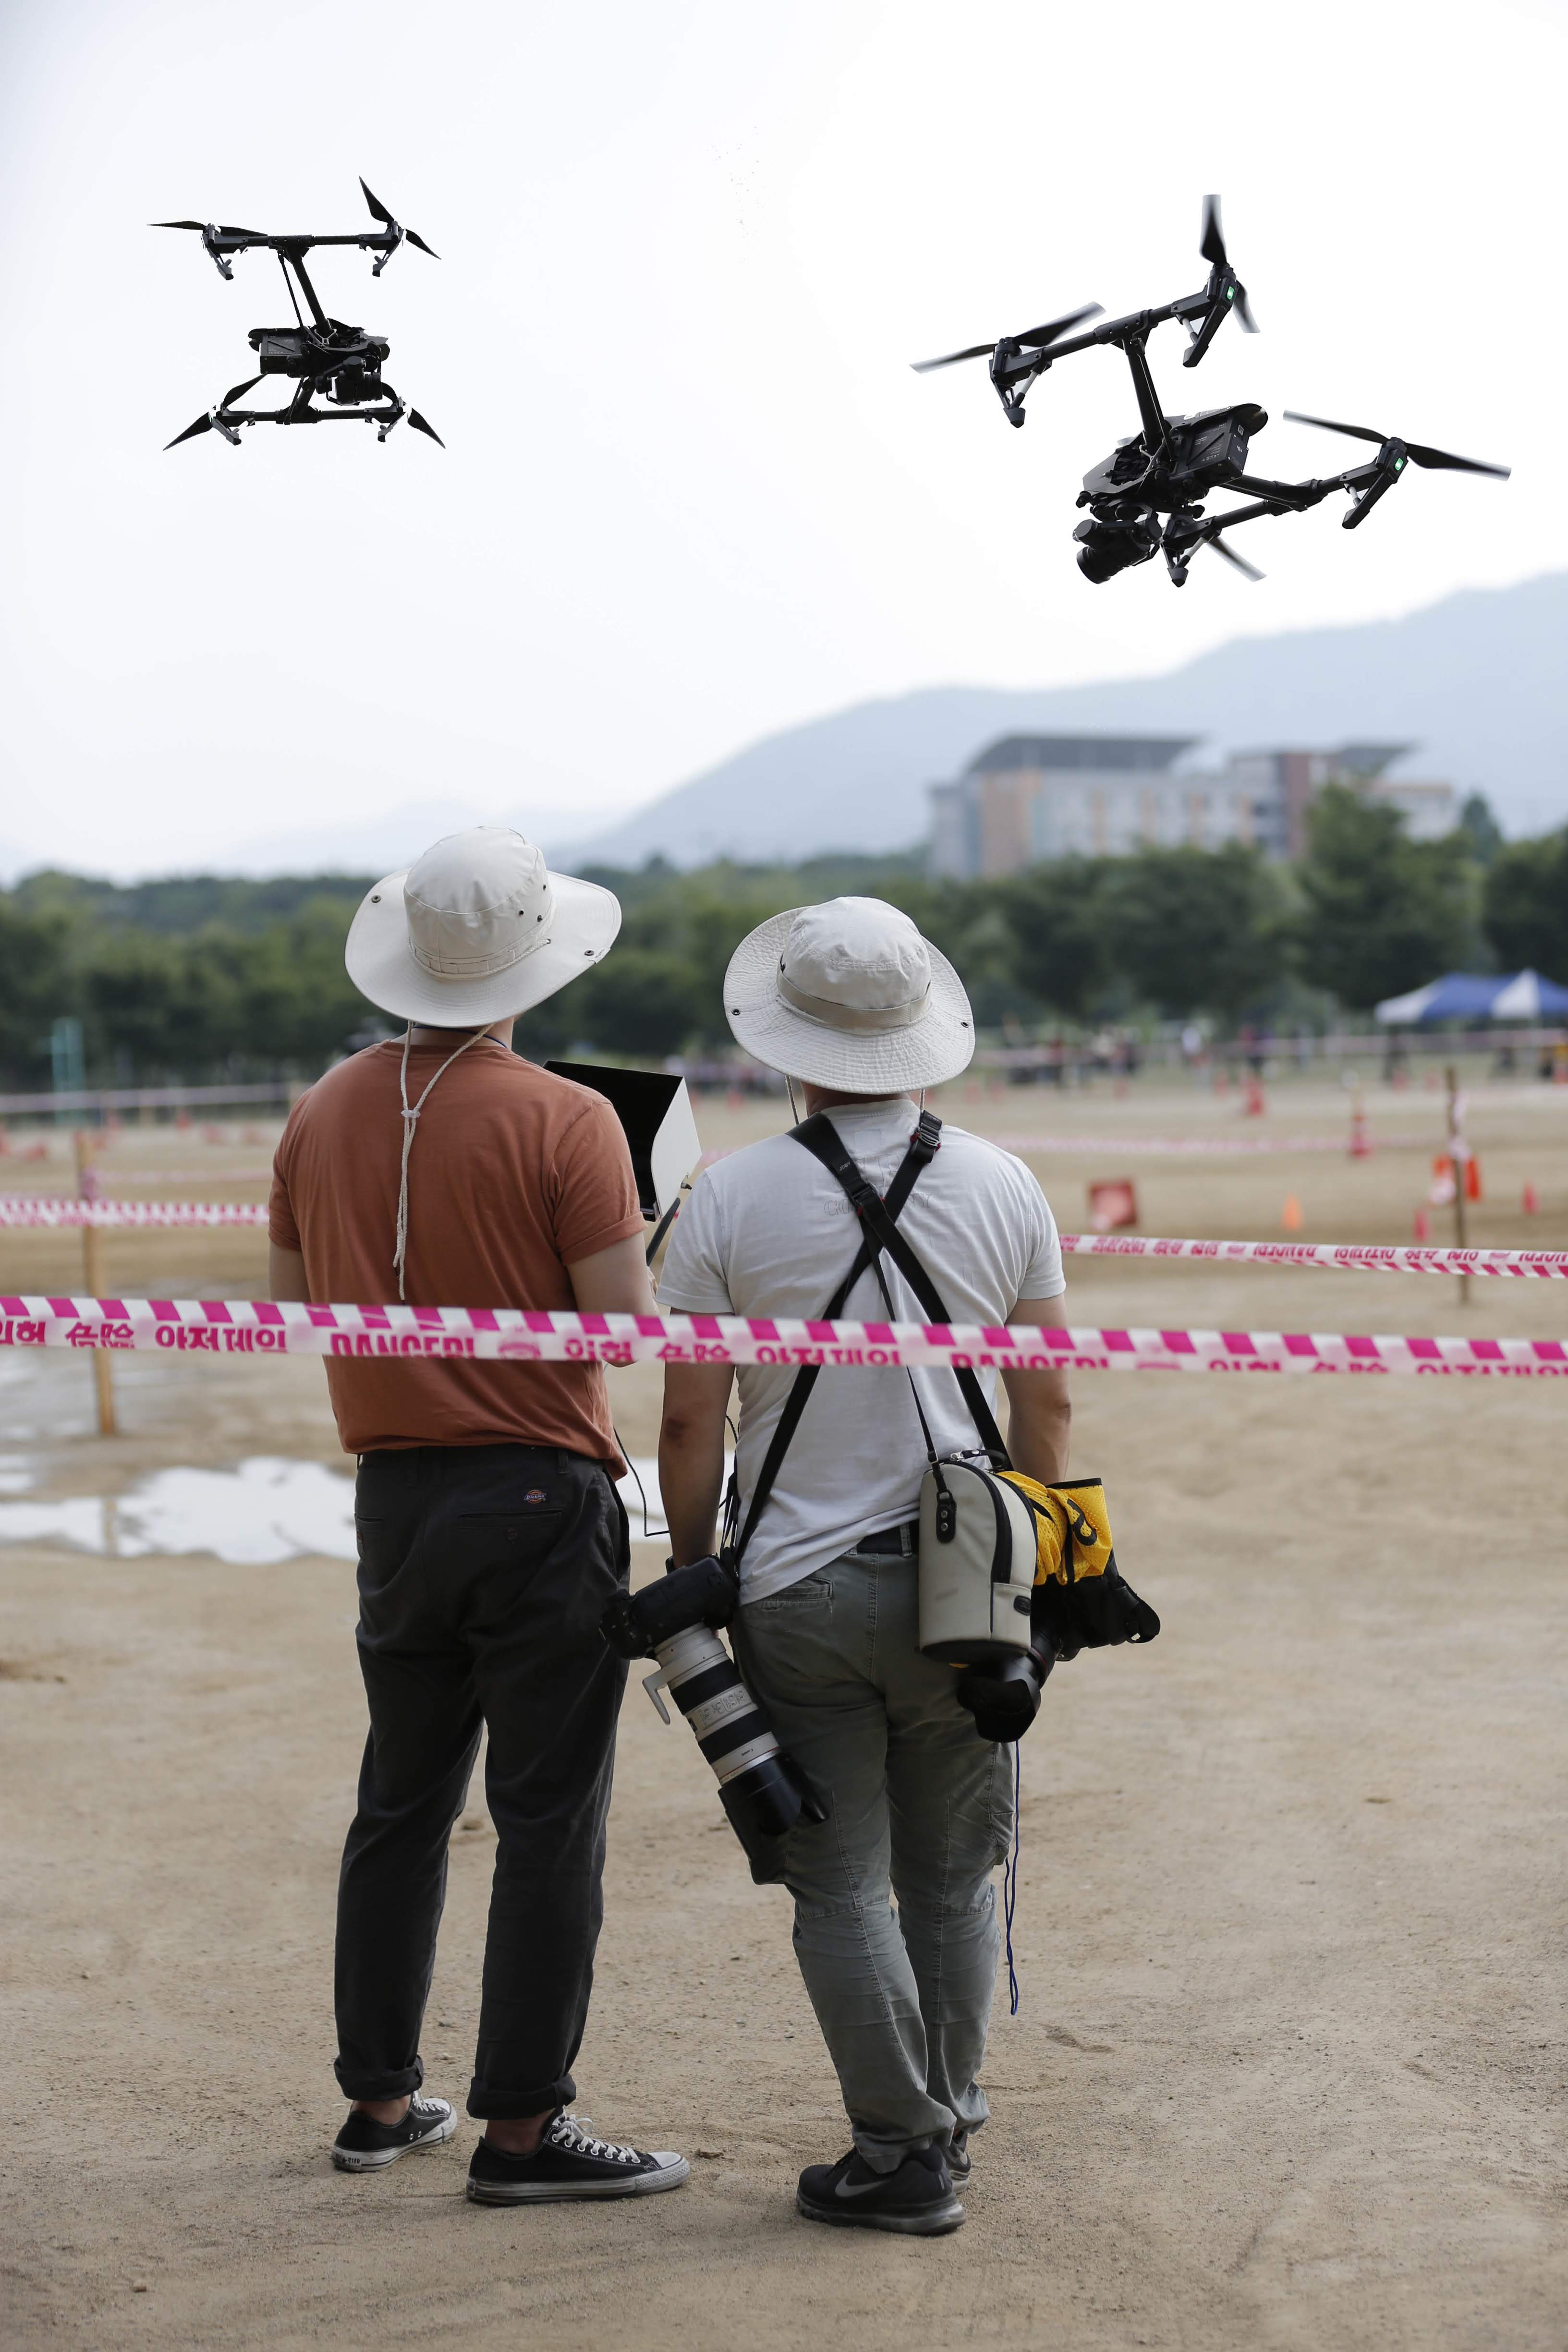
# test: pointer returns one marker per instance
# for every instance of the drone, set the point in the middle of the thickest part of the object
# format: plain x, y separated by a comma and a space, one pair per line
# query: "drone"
1172, 464
340, 365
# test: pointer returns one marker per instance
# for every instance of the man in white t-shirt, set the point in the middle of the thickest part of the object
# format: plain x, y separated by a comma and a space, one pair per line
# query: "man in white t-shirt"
850, 1001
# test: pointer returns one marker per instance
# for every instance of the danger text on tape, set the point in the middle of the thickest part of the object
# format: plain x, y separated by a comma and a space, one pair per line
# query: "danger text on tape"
258, 1326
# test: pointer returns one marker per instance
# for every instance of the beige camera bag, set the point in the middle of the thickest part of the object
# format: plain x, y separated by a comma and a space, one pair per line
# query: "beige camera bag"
977, 1562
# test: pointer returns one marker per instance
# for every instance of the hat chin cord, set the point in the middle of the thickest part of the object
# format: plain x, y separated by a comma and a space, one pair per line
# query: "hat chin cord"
410, 1119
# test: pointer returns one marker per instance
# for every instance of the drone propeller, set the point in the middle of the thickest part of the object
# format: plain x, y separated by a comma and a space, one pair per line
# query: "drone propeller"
1212, 247
1230, 555
223, 229
420, 426
1034, 338
1442, 460
203, 424
378, 212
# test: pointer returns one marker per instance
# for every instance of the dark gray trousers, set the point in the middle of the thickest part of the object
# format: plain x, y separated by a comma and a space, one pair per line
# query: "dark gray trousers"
483, 1572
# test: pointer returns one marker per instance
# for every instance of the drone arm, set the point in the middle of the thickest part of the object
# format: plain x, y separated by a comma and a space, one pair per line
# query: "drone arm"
1156, 436
1295, 498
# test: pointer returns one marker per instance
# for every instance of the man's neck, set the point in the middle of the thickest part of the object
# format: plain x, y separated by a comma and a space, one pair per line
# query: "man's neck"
825, 1098
424, 1034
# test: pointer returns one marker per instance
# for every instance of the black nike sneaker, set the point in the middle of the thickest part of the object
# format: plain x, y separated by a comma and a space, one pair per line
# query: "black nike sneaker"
570, 2162
364, 2146
917, 2199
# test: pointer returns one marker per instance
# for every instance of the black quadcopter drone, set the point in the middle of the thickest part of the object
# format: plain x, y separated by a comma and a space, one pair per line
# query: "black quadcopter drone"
342, 365
1172, 464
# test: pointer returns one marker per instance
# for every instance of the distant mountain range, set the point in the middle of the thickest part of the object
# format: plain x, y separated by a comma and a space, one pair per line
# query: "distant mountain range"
1479, 682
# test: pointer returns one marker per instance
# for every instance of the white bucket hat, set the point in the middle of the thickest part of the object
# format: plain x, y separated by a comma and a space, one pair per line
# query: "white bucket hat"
476, 930
848, 995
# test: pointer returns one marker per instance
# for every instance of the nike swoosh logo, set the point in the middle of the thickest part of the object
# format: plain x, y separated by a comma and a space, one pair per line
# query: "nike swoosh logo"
864, 2190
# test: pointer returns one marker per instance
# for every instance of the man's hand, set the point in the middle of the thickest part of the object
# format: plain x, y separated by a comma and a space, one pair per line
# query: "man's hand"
692, 1456
1039, 1414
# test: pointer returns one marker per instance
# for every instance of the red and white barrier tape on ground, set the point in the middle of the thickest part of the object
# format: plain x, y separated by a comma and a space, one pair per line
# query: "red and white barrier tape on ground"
129, 1215
1193, 1147
256, 1326
1359, 1257
189, 1176
1339, 1257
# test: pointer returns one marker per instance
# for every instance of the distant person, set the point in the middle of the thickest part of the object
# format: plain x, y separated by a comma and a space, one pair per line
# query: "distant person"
848, 999
441, 1167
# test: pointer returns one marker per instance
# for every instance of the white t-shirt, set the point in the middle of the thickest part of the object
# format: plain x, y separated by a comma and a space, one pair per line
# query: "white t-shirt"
769, 1232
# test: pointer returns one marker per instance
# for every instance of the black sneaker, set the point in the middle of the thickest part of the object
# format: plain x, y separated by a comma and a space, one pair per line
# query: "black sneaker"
917, 2199
959, 2160
364, 2146
569, 2162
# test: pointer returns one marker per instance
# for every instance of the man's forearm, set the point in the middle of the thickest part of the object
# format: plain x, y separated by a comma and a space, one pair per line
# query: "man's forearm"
1038, 1431
691, 1458
691, 1480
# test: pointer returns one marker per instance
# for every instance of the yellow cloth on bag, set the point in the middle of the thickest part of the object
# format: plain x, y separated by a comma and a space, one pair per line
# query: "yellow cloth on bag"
1072, 1528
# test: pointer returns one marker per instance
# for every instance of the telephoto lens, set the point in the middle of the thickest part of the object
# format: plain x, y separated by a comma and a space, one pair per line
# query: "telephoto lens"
762, 1789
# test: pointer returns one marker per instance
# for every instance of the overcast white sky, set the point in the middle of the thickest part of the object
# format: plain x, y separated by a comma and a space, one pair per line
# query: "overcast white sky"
691, 491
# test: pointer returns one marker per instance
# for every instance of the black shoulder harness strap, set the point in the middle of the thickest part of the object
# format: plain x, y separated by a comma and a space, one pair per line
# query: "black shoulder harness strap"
878, 1233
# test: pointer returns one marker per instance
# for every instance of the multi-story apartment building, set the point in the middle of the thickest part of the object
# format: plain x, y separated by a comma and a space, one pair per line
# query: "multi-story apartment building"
1029, 797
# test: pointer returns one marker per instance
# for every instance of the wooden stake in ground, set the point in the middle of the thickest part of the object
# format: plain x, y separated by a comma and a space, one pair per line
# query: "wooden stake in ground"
92, 1269
1456, 1146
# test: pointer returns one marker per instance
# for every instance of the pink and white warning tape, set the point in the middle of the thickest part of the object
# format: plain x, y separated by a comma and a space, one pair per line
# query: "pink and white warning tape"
130, 1215
1341, 1257
1192, 1146
256, 1326
1346, 1257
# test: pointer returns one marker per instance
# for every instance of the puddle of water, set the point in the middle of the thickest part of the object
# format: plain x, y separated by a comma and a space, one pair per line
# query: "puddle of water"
267, 1511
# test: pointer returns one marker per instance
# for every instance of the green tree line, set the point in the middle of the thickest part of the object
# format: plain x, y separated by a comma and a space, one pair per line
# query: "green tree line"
194, 979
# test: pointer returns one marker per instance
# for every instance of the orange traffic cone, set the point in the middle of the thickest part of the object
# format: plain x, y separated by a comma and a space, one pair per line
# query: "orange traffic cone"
1255, 1106
1531, 1202
1291, 1215
1472, 1178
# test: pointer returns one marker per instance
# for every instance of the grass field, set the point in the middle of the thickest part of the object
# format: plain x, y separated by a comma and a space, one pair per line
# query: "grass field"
1289, 2067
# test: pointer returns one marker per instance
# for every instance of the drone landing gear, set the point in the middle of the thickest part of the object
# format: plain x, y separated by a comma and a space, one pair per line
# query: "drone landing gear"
225, 418
1186, 531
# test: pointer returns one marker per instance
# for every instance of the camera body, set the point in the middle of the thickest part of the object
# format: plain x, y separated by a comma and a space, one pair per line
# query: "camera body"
1113, 539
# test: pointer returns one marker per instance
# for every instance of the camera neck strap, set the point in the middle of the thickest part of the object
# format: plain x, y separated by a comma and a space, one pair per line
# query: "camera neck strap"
879, 1230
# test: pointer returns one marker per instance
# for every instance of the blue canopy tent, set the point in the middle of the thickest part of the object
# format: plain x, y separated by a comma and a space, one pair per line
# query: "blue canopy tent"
1521, 996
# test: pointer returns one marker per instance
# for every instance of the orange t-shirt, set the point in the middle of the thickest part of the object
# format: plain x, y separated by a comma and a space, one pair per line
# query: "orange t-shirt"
514, 1174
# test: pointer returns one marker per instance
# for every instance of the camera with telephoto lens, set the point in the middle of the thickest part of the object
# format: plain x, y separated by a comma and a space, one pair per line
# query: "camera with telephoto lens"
763, 1791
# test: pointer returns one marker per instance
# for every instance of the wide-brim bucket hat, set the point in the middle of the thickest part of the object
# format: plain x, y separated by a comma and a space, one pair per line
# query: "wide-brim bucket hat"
476, 931
848, 995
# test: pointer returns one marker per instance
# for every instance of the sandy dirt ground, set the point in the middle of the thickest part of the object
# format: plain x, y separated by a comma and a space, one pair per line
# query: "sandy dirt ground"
1289, 2067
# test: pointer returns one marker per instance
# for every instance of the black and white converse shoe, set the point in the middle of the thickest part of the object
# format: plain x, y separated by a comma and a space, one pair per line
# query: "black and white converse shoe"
917, 2199
570, 2162
364, 2146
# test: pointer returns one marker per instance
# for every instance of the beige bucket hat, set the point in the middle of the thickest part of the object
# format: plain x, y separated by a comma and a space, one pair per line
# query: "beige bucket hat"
848, 995
477, 930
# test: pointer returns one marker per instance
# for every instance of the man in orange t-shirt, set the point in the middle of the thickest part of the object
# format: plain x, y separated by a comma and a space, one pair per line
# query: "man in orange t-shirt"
443, 1169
